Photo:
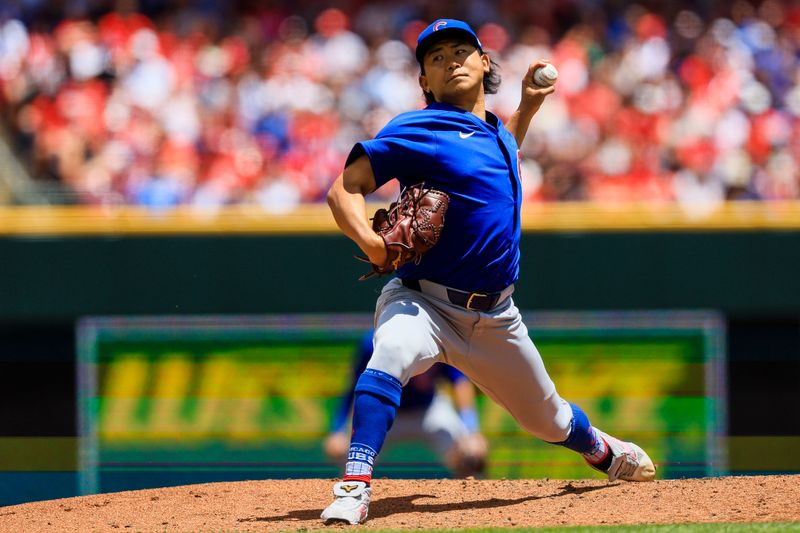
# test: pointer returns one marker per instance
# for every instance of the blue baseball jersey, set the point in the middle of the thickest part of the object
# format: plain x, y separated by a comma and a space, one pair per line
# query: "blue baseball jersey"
476, 162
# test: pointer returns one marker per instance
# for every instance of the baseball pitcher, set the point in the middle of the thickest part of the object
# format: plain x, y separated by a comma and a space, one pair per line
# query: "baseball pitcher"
452, 241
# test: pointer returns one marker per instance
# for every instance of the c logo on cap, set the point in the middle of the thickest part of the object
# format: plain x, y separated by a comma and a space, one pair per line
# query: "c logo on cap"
439, 24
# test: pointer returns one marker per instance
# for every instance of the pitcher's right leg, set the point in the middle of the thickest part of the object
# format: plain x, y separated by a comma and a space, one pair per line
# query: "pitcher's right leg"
377, 396
404, 346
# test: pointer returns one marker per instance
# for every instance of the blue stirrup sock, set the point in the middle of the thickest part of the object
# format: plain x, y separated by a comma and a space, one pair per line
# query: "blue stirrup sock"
377, 396
585, 440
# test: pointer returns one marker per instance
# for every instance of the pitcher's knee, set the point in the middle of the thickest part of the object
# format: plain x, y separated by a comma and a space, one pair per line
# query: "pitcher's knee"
398, 356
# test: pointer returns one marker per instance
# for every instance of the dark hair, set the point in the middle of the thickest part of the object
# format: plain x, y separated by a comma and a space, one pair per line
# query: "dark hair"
491, 81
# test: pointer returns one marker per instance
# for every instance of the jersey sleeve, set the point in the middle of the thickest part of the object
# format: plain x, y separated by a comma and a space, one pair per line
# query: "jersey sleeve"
404, 149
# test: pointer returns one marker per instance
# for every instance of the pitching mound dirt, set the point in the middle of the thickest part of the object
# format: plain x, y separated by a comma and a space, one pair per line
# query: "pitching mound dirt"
412, 504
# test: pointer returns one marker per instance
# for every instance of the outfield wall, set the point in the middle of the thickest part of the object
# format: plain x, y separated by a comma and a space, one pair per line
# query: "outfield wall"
745, 274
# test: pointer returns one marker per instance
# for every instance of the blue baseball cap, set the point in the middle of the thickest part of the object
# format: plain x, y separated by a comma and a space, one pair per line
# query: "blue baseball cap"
438, 28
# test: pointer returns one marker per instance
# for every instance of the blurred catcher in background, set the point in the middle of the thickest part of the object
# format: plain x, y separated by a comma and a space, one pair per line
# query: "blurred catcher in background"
450, 426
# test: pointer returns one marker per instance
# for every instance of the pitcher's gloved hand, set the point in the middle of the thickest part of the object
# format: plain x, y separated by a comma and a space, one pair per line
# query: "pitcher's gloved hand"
410, 227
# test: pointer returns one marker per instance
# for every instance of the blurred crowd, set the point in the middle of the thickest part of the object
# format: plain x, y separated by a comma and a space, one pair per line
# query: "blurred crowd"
162, 103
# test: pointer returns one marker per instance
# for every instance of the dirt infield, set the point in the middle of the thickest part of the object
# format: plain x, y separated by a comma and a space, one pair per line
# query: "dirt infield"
412, 504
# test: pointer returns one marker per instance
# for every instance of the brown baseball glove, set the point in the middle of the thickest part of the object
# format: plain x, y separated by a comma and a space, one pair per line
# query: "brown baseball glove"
410, 227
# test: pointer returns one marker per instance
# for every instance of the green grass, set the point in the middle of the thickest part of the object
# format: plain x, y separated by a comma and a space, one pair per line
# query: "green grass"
768, 527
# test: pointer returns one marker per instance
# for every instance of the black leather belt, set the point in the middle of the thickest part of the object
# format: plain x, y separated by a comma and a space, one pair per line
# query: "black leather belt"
474, 301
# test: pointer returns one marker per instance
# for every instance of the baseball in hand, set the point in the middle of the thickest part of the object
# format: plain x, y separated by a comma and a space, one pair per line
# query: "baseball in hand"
545, 76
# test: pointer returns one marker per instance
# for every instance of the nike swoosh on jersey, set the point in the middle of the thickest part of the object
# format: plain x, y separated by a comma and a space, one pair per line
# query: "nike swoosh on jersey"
466, 135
